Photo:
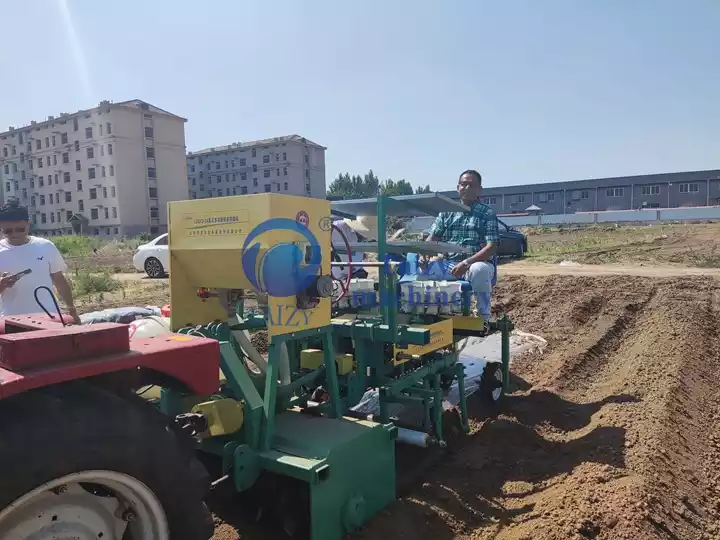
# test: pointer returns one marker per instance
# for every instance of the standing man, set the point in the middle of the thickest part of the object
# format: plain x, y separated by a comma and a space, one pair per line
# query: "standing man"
476, 229
26, 263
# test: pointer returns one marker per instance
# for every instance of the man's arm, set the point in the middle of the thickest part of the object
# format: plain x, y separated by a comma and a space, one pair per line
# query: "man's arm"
437, 231
492, 239
57, 274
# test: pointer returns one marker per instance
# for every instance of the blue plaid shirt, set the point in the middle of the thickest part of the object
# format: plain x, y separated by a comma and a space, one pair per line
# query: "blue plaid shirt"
473, 229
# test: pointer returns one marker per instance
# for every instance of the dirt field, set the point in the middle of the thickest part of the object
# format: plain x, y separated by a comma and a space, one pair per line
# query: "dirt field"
612, 433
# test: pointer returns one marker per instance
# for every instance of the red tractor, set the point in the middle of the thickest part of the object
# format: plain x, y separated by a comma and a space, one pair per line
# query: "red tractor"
84, 457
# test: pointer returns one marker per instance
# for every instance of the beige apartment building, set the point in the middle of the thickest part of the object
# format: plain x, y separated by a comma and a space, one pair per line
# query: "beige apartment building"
107, 171
290, 164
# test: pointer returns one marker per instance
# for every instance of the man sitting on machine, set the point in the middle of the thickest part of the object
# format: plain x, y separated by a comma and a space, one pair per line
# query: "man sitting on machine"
477, 229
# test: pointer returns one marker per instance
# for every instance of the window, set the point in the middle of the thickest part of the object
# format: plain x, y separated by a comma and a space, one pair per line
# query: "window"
307, 173
307, 188
689, 188
112, 191
66, 177
109, 128
114, 212
254, 153
102, 171
217, 165
75, 124
52, 217
54, 159
154, 212
38, 144
243, 190
110, 149
81, 205
104, 192
102, 150
152, 192
152, 173
93, 193
255, 182
226, 163
284, 171
266, 159
278, 172
79, 185
42, 200
651, 190
277, 157
91, 173
243, 176
77, 146
40, 163
52, 199
254, 167
78, 165
519, 198
47, 142
149, 152
90, 152
266, 173
68, 215
285, 186
550, 197
41, 180
66, 158
490, 201
48, 161
88, 133
112, 170
43, 218
68, 196
107, 213
615, 192
243, 162
94, 214
267, 188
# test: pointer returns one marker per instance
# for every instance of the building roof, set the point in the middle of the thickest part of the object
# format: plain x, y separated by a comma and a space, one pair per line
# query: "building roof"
249, 144
67, 116
622, 181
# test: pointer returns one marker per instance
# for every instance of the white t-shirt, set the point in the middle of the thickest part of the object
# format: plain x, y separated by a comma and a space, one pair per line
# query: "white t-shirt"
351, 236
43, 258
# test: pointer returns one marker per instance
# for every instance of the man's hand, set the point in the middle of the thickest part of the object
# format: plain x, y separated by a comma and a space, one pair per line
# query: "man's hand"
460, 269
7, 280
74, 314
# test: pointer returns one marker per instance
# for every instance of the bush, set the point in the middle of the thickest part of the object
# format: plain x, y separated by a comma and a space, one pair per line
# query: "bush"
86, 283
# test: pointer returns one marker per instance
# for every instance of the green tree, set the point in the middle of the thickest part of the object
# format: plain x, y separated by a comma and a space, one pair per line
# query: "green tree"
401, 187
356, 186
421, 189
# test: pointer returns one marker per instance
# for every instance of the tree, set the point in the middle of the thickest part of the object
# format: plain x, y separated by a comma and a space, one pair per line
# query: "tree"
401, 187
356, 186
421, 189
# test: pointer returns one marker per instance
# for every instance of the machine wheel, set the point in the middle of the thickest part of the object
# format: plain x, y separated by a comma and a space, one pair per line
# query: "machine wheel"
491, 383
85, 464
520, 251
154, 268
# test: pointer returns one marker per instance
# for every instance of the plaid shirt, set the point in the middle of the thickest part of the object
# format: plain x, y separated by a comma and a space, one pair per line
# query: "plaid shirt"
473, 229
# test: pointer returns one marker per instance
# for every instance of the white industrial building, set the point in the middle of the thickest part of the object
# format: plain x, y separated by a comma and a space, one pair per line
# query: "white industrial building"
291, 164
108, 171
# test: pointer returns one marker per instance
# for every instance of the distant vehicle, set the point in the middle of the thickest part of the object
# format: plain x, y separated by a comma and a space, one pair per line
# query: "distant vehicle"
153, 258
513, 243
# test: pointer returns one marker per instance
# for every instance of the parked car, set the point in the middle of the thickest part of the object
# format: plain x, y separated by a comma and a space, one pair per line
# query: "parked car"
153, 258
513, 243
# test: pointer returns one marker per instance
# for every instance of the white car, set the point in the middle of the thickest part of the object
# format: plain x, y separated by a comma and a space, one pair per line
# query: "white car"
153, 258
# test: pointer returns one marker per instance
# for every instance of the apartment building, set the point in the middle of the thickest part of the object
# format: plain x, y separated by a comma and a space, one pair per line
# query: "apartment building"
291, 164
107, 171
666, 190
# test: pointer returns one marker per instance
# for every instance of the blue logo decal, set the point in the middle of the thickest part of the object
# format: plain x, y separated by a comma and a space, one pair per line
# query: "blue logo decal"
284, 269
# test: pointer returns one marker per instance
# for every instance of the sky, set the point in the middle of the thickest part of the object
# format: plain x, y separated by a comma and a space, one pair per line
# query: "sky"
524, 91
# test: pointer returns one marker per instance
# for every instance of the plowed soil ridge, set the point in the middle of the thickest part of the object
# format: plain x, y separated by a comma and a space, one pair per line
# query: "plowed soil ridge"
613, 433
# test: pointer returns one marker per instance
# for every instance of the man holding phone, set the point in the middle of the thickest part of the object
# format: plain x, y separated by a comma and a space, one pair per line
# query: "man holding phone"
26, 263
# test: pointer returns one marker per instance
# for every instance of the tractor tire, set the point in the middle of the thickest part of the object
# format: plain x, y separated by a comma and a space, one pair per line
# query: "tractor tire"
82, 462
492, 376
154, 268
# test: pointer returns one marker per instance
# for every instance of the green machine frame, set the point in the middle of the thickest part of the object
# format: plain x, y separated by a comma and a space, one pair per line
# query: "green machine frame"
346, 460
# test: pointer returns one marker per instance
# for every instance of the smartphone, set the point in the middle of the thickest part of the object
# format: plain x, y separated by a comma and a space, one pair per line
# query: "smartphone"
23, 273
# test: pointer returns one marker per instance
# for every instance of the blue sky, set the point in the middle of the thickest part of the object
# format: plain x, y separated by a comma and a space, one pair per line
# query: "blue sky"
523, 91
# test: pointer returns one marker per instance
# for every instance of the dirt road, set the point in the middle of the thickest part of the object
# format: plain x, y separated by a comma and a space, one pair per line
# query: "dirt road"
529, 268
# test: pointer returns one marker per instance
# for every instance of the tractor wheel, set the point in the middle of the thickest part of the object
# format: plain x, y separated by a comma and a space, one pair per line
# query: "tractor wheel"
83, 463
491, 382
154, 268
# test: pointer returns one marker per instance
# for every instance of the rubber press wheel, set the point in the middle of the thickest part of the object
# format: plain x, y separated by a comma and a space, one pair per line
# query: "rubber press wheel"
85, 464
491, 382
154, 268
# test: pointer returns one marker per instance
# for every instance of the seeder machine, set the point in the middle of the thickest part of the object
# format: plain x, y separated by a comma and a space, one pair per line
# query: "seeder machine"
300, 412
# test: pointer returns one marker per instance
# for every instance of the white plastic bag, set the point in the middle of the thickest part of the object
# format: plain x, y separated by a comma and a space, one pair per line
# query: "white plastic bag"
149, 327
